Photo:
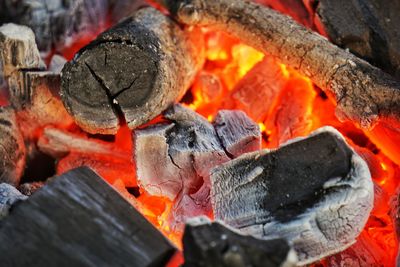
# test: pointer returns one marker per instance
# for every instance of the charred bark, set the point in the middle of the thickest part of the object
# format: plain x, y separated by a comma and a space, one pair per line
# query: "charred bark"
315, 192
363, 93
77, 219
134, 70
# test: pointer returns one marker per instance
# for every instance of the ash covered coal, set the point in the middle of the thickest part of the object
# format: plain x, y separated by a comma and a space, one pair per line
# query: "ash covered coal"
186, 149
316, 192
209, 243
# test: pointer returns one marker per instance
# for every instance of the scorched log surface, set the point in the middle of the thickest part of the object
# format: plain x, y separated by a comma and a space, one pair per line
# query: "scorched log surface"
134, 70
77, 219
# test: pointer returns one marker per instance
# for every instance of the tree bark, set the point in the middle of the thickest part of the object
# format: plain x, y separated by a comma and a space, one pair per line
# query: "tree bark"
363, 92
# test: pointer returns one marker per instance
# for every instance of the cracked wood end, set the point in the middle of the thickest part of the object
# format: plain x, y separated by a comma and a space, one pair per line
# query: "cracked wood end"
134, 70
316, 192
363, 92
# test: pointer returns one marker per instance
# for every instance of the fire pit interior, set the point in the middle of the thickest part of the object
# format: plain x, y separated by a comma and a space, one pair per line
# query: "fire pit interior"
199, 133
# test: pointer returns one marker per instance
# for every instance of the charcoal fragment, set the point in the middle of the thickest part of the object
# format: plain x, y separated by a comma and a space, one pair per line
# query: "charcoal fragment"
8, 196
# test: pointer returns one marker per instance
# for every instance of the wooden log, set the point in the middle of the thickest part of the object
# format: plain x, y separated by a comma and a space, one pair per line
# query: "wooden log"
363, 93
208, 243
56, 23
102, 83
9, 195
237, 133
12, 148
18, 49
316, 192
77, 219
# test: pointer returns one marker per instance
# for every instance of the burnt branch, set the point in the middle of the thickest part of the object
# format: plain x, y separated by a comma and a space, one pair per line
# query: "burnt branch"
363, 92
135, 70
78, 219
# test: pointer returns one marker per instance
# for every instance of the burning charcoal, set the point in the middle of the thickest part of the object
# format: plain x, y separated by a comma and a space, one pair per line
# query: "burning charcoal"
369, 28
185, 151
57, 63
29, 188
316, 192
101, 83
267, 79
35, 96
18, 49
213, 244
80, 220
13, 149
8, 196
56, 23
237, 132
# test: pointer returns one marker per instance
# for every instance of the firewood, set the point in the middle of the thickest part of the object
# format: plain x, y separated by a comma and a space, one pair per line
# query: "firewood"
363, 92
367, 27
18, 49
56, 23
237, 132
13, 151
8, 196
77, 219
35, 96
316, 192
134, 70
215, 244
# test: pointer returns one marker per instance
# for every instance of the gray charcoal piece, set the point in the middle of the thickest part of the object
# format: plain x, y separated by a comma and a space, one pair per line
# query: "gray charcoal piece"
214, 244
177, 156
56, 24
316, 192
237, 132
57, 63
78, 219
8, 196
18, 49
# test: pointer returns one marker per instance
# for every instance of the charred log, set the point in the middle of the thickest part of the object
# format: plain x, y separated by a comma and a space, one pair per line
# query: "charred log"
237, 132
56, 23
12, 148
363, 93
8, 196
213, 244
315, 192
80, 220
135, 70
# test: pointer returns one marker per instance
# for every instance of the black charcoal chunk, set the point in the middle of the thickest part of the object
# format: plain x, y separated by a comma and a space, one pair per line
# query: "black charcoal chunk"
315, 192
8, 196
214, 244
237, 132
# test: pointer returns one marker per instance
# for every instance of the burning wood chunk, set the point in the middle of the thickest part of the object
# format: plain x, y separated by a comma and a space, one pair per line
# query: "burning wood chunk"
101, 83
369, 28
257, 91
12, 148
80, 220
184, 150
29, 188
56, 23
18, 49
213, 244
35, 96
364, 93
237, 132
8, 196
316, 192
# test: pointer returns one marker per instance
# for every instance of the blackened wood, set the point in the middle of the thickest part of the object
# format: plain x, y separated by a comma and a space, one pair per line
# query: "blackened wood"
12, 148
237, 133
214, 244
77, 219
369, 28
18, 49
315, 192
8, 196
363, 92
136, 70
56, 23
